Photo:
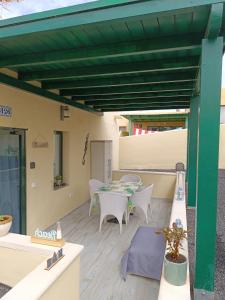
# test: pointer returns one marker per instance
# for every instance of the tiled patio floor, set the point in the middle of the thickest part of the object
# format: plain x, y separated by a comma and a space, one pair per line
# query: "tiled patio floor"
100, 260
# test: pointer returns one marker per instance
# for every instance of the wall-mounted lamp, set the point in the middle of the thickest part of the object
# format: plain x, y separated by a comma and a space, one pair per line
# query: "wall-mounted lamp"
64, 112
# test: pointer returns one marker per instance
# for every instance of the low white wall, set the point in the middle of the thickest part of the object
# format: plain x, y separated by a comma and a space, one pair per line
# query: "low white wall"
161, 150
23, 267
67, 286
168, 291
164, 183
16, 264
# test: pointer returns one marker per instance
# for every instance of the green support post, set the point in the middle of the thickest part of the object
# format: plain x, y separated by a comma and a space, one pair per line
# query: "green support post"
187, 125
207, 170
130, 127
192, 150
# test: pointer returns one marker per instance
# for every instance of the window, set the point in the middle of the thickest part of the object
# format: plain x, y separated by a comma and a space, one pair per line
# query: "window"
58, 159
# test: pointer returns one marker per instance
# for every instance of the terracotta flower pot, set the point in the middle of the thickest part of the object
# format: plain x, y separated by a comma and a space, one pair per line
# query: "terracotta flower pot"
5, 224
175, 272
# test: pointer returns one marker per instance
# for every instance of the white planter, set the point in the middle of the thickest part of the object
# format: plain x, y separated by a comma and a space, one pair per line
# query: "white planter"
5, 227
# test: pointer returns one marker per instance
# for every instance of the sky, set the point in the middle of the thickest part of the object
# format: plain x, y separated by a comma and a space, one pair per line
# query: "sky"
30, 6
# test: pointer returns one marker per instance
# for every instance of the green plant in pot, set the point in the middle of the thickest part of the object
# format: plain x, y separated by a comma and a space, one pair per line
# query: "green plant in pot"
175, 264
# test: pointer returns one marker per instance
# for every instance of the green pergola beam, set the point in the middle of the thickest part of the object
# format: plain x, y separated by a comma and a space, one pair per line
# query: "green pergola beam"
166, 117
122, 49
171, 87
142, 104
135, 101
13, 82
215, 21
135, 108
91, 13
165, 95
174, 64
121, 81
207, 171
192, 150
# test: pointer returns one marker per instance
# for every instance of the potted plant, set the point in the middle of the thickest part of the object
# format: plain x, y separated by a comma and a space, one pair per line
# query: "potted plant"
175, 264
5, 224
58, 180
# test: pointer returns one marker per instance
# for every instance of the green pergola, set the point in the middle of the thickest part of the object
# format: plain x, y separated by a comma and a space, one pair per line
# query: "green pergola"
172, 117
119, 55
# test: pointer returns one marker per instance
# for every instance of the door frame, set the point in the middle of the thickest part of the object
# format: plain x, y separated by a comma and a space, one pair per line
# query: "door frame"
22, 158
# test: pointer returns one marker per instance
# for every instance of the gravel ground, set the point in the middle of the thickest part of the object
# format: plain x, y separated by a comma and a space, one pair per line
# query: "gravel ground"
220, 259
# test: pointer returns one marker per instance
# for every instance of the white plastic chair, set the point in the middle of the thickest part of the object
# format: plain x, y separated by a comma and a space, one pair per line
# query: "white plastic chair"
94, 185
142, 199
114, 204
130, 178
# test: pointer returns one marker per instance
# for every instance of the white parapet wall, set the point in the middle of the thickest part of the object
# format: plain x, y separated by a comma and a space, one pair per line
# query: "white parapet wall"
23, 268
160, 150
168, 291
164, 182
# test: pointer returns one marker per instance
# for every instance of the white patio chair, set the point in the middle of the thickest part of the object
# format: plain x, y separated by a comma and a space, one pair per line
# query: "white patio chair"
142, 199
130, 178
114, 204
94, 185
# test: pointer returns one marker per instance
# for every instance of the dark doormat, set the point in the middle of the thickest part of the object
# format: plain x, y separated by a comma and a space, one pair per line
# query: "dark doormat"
4, 289
114, 220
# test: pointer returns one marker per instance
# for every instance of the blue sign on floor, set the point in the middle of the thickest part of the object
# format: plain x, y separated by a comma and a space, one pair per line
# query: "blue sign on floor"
5, 111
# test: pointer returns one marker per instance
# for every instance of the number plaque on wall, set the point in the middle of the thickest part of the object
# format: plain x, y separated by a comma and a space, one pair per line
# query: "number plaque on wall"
5, 111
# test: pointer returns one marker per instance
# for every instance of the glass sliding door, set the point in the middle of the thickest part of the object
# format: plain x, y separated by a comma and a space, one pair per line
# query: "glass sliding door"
12, 177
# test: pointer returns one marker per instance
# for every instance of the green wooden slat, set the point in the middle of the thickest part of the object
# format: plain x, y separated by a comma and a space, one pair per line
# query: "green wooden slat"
207, 171
145, 107
129, 90
140, 95
192, 151
215, 21
166, 24
183, 23
136, 101
40, 92
92, 13
157, 45
166, 117
128, 80
115, 69
136, 29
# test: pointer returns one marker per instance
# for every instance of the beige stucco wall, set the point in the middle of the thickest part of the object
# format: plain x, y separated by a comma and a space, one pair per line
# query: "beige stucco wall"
155, 151
164, 183
223, 97
159, 150
41, 117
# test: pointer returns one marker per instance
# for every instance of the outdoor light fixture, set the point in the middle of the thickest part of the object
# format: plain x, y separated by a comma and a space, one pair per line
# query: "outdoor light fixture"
64, 112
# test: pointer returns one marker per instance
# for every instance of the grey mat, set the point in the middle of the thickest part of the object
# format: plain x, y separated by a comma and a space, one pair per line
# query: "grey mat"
145, 255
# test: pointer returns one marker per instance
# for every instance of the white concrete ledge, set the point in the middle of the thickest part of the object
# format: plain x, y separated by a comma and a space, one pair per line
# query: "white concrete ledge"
144, 172
168, 291
36, 283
